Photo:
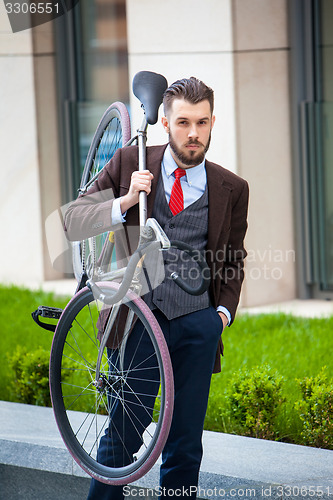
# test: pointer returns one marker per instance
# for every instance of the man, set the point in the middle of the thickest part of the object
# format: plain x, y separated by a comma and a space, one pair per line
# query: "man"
204, 205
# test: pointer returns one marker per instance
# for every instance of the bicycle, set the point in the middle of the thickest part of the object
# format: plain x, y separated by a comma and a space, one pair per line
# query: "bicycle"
111, 377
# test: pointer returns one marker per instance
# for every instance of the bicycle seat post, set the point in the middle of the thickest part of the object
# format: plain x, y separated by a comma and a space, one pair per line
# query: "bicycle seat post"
142, 140
149, 88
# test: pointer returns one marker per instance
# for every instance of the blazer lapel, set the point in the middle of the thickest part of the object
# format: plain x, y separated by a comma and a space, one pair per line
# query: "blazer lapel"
154, 160
219, 193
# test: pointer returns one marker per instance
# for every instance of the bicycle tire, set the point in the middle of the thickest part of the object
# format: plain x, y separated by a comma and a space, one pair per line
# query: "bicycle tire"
77, 402
112, 133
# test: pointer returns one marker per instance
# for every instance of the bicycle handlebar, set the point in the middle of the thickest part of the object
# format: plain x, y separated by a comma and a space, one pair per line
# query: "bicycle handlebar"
200, 260
134, 260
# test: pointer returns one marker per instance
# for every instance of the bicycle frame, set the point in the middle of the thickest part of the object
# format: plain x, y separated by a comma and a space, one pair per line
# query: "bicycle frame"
148, 88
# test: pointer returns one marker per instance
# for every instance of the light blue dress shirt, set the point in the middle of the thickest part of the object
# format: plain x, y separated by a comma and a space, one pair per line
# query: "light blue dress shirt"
193, 183
193, 186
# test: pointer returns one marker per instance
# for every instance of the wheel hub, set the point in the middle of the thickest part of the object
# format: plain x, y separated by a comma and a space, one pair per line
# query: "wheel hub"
114, 383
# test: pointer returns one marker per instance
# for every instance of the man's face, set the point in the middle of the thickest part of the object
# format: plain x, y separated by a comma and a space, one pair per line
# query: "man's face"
189, 127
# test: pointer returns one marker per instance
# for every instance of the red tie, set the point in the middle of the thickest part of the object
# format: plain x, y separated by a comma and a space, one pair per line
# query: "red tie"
176, 202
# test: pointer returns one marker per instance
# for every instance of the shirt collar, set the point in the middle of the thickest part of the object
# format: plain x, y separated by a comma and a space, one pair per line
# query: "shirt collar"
192, 174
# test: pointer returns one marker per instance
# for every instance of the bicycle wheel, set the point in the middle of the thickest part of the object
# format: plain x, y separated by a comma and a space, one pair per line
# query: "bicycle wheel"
113, 132
116, 428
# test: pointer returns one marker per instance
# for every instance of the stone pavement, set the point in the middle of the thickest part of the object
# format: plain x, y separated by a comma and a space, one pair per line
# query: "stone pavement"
305, 308
35, 465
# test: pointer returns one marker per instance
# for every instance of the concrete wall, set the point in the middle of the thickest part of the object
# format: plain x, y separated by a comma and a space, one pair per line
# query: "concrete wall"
183, 39
48, 140
30, 188
20, 210
240, 48
263, 145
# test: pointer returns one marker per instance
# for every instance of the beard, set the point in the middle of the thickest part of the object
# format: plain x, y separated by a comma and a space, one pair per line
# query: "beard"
189, 158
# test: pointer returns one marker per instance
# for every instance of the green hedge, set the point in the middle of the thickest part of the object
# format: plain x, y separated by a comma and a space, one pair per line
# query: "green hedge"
316, 410
253, 401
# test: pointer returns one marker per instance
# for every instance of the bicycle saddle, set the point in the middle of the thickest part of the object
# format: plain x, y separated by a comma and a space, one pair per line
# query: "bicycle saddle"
149, 88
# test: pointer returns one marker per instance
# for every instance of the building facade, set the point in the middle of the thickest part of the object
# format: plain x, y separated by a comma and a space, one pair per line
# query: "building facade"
271, 66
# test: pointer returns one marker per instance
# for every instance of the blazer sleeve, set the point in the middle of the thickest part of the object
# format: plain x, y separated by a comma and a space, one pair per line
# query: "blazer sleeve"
90, 214
235, 253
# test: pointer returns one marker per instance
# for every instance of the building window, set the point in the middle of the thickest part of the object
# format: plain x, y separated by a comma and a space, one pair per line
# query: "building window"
92, 58
312, 104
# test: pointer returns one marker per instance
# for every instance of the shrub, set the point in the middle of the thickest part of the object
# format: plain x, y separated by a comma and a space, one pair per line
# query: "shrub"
316, 410
253, 400
31, 376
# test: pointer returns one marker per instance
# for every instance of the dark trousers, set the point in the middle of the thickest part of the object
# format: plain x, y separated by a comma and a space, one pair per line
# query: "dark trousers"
192, 340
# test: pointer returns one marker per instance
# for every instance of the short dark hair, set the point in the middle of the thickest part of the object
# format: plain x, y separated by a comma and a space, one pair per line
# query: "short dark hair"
191, 89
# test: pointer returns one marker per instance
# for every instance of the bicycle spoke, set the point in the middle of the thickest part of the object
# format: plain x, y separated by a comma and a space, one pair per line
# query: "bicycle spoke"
76, 396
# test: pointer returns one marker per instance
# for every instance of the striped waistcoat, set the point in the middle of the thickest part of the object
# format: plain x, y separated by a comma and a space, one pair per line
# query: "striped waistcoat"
189, 226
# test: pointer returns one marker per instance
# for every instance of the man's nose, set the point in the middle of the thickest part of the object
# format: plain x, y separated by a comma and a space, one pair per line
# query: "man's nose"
193, 132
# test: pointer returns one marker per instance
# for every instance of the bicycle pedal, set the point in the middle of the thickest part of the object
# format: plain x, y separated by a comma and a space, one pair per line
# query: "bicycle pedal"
49, 312
46, 312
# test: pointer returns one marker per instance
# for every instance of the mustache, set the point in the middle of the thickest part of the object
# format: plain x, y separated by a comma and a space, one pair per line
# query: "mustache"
193, 141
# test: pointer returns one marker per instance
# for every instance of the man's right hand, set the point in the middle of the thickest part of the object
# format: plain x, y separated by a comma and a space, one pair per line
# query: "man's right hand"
140, 181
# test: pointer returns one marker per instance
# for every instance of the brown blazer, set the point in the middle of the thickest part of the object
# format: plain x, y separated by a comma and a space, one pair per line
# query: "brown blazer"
227, 219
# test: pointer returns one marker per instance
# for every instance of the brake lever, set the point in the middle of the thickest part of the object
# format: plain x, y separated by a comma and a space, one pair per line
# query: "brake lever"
159, 233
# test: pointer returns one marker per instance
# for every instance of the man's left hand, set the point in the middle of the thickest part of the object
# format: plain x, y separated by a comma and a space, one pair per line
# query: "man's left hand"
224, 319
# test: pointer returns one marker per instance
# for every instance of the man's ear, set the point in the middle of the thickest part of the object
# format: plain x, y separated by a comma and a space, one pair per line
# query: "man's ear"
213, 120
165, 124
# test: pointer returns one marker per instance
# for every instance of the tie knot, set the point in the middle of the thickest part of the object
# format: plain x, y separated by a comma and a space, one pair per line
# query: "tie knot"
179, 172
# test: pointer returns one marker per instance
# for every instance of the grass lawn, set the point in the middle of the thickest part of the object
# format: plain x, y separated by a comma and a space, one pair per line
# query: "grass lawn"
293, 347
18, 327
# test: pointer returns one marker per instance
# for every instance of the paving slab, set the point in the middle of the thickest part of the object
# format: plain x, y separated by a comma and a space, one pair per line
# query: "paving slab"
312, 308
232, 467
